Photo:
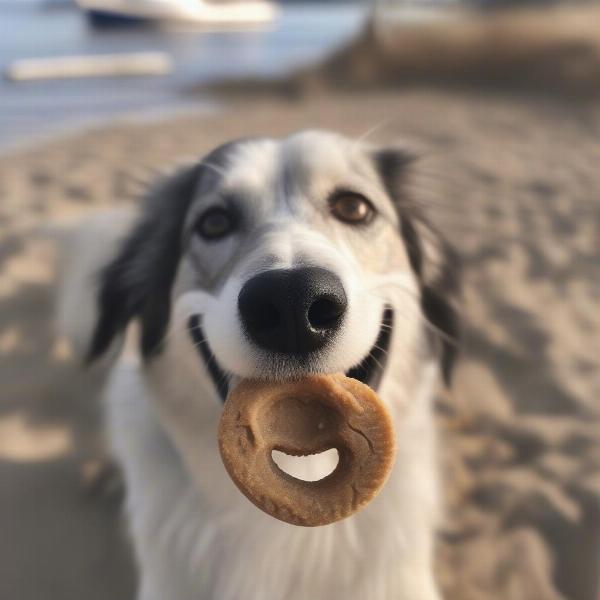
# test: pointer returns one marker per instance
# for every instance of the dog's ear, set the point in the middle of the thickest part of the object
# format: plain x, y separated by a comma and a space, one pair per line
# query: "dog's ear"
137, 283
432, 259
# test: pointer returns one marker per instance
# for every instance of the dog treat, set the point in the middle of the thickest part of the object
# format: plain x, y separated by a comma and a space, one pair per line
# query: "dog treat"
304, 417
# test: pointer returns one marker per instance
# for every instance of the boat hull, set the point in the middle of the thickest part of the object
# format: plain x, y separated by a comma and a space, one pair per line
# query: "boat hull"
105, 13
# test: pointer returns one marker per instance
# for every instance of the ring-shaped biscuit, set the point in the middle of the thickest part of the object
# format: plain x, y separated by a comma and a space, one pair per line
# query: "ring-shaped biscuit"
304, 417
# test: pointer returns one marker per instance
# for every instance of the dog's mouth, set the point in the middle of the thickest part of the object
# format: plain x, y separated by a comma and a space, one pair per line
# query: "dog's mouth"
218, 375
369, 371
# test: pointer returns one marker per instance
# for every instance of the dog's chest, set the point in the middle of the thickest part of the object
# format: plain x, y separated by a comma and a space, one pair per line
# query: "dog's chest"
192, 546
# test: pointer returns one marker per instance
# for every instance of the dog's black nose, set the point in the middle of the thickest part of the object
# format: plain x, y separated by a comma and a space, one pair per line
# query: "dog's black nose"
293, 311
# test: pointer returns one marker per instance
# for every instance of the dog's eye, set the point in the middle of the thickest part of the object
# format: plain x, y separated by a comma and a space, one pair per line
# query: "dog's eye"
215, 223
351, 208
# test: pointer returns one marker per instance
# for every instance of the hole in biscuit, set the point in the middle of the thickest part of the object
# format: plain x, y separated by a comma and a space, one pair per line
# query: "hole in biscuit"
313, 467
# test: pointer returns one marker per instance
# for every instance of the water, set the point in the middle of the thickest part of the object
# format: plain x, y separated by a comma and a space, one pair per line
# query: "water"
302, 34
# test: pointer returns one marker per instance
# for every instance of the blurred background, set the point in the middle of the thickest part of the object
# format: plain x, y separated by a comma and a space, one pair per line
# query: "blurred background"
501, 99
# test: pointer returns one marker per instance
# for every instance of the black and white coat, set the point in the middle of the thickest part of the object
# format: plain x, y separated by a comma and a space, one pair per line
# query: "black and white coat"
174, 286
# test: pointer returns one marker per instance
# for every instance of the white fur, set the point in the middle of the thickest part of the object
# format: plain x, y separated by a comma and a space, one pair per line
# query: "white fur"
217, 545
198, 538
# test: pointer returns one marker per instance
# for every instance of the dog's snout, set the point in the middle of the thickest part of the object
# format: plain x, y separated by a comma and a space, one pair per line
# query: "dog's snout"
292, 311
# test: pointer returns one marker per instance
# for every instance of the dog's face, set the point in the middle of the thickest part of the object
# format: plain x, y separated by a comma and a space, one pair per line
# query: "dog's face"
283, 257
293, 242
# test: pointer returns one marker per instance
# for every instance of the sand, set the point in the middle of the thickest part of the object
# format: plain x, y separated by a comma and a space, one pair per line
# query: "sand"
513, 180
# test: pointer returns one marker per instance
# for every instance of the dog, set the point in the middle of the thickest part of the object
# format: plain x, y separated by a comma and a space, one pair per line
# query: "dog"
272, 259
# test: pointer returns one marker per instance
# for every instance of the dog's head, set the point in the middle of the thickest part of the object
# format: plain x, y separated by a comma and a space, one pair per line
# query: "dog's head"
281, 257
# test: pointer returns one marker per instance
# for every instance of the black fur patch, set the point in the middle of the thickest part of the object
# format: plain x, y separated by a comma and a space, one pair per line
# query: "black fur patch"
439, 275
138, 282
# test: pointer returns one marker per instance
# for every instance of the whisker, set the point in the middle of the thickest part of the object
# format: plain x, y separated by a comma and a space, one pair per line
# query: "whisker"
179, 322
424, 320
435, 329
377, 361
215, 168
363, 137
225, 377
385, 352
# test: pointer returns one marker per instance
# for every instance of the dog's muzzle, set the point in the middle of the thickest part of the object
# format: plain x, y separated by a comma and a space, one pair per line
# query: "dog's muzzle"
292, 311
369, 371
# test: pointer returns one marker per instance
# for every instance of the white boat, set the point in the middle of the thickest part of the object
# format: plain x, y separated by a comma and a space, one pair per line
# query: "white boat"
105, 65
199, 12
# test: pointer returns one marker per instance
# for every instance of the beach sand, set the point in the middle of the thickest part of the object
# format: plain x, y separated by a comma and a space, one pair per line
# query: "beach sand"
513, 180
